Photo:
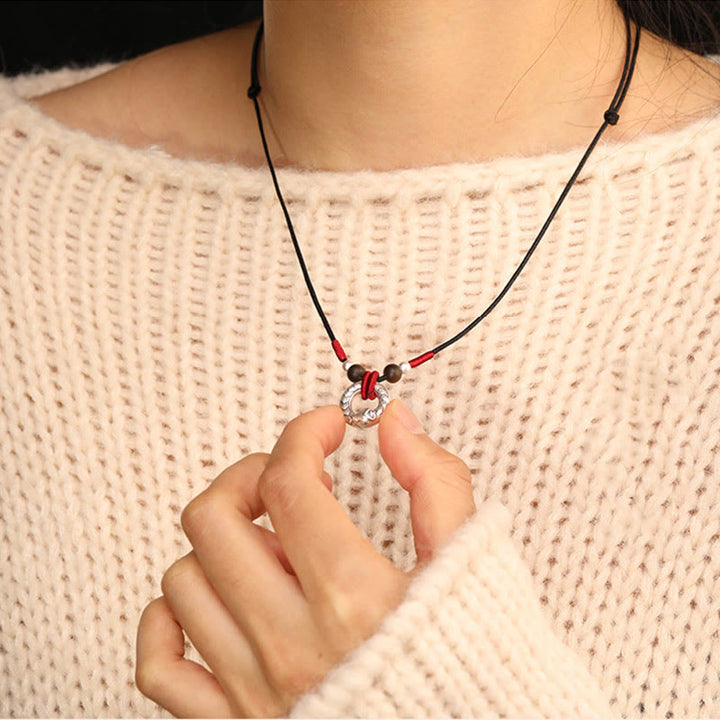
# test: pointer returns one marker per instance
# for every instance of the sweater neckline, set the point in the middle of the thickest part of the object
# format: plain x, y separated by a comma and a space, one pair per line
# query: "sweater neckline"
610, 159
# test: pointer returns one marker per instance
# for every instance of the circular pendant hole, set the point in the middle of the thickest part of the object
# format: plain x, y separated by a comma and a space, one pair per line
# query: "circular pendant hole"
363, 416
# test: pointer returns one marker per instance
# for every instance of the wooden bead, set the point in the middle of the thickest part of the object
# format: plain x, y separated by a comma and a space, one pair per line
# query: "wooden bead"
392, 372
355, 373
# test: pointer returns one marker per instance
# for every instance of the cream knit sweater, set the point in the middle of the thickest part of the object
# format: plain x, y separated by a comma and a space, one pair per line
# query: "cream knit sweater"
154, 328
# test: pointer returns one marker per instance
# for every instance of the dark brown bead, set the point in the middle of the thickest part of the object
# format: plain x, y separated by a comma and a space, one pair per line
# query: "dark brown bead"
392, 372
355, 373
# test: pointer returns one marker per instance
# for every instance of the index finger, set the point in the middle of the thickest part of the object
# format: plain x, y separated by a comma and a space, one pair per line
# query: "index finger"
318, 537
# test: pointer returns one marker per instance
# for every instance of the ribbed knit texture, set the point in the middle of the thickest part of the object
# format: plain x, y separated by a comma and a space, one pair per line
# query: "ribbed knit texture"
154, 328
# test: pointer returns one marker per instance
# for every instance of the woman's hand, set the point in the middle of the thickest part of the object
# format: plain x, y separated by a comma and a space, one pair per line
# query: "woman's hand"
272, 613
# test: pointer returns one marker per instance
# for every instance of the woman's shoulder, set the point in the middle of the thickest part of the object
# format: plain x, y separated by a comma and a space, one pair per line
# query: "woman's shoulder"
175, 98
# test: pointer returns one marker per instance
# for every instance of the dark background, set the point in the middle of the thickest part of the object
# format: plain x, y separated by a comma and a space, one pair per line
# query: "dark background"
43, 34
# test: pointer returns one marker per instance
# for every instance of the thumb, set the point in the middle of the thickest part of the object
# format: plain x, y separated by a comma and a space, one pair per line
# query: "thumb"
438, 482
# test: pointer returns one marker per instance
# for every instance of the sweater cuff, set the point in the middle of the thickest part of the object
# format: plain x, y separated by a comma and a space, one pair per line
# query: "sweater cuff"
469, 639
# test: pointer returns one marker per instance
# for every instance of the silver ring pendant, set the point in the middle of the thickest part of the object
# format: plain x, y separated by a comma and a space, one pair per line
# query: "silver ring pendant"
363, 418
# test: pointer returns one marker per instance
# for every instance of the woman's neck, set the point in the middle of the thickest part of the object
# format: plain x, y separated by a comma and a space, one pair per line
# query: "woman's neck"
352, 84
385, 84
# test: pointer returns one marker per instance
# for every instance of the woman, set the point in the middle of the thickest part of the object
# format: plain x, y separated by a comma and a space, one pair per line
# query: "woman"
159, 330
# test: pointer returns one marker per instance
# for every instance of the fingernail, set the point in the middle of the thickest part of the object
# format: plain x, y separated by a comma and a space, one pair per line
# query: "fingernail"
403, 414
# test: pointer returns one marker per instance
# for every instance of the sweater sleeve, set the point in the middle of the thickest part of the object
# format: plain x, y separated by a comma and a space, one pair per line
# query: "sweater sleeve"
470, 639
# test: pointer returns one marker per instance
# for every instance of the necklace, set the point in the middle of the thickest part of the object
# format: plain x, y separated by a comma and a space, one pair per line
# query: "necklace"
365, 382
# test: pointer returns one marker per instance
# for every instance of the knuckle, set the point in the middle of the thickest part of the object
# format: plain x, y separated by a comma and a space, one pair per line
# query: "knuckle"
351, 609
149, 679
276, 488
177, 576
291, 676
197, 513
347, 613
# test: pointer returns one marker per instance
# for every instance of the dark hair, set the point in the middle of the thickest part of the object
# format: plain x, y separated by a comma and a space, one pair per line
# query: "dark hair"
691, 24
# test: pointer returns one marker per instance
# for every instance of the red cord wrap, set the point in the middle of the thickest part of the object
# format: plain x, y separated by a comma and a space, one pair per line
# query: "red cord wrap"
420, 359
338, 348
367, 388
